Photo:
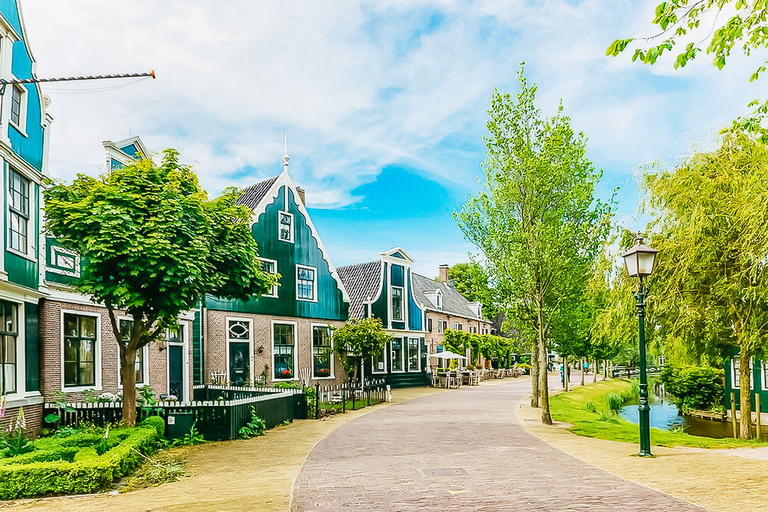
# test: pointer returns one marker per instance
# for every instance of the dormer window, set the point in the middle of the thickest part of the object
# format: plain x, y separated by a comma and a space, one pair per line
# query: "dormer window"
439, 303
285, 227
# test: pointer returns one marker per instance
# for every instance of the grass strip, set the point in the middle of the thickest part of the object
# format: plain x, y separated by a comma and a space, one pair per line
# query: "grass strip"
572, 408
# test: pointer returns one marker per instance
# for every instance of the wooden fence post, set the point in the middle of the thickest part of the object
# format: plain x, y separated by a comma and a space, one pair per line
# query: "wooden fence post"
733, 413
757, 415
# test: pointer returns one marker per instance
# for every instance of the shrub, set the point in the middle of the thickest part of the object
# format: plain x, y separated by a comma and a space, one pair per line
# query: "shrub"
615, 402
191, 438
157, 423
694, 387
87, 474
255, 427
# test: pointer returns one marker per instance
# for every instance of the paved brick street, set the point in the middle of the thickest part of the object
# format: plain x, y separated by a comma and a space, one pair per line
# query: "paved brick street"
459, 450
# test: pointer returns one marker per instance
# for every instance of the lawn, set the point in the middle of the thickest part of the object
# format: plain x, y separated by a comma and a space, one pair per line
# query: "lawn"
572, 408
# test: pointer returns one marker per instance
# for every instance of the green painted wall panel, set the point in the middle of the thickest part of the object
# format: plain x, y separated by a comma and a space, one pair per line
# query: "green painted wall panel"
305, 250
414, 312
398, 278
380, 308
21, 270
31, 347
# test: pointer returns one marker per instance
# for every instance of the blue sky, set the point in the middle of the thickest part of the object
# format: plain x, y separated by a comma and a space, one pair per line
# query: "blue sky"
384, 103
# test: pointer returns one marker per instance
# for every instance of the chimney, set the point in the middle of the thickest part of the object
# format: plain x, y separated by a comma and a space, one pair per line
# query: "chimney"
443, 276
302, 195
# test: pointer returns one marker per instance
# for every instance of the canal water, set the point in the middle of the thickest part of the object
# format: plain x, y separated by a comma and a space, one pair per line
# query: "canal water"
664, 416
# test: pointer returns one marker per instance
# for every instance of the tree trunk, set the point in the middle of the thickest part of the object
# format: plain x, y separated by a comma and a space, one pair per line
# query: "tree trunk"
581, 362
745, 372
546, 416
128, 372
567, 370
594, 377
535, 374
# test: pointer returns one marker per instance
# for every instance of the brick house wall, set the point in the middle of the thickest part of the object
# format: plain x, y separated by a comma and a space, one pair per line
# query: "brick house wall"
33, 414
51, 338
434, 338
261, 336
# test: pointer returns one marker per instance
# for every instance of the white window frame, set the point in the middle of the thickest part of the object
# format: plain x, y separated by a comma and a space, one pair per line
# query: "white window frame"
314, 283
144, 354
735, 384
392, 303
295, 349
472, 329
418, 354
20, 362
384, 350
249, 340
441, 325
57, 251
185, 360
439, 300
291, 231
333, 354
31, 207
273, 291
97, 377
403, 359
21, 125
456, 326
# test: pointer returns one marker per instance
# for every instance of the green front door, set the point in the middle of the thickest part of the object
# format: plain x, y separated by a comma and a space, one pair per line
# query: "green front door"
238, 363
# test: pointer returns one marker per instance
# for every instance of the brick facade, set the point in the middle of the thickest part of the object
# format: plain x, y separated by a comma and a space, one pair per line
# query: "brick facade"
216, 349
435, 338
107, 377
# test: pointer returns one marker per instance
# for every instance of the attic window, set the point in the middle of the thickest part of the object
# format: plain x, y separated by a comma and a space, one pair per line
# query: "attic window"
285, 227
439, 300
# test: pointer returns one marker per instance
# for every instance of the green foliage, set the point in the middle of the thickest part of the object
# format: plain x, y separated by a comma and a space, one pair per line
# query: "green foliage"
471, 282
357, 340
536, 219
488, 345
255, 427
149, 403
191, 438
157, 423
693, 387
615, 402
15, 443
62, 470
744, 28
152, 245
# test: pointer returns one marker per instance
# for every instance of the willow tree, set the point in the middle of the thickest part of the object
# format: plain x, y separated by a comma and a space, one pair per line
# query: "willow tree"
536, 219
710, 230
152, 245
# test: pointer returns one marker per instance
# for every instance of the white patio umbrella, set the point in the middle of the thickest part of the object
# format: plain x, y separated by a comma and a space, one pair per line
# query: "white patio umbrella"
447, 355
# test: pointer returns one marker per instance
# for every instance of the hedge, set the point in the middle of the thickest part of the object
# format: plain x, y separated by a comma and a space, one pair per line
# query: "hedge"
87, 475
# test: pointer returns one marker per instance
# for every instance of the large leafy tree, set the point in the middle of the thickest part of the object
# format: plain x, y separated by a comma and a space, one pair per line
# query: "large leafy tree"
722, 25
471, 282
711, 285
358, 340
536, 219
152, 244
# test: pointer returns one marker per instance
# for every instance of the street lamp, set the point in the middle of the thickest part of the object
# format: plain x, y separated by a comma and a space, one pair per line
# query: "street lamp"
639, 261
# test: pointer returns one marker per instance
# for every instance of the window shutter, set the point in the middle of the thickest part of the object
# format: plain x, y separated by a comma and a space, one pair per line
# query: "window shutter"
429, 324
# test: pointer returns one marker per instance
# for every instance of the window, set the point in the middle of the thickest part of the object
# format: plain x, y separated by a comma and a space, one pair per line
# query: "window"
397, 303
175, 335
8, 334
284, 345
238, 330
439, 300
270, 266
473, 329
378, 361
79, 350
126, 326
413, 354
441, 326
735, 379
397, 355
18, 208
305, 283
457, 326
18, 99
322, 352
285, 226
63, 261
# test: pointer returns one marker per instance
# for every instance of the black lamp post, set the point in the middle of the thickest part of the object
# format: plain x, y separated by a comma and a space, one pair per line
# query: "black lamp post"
639, 261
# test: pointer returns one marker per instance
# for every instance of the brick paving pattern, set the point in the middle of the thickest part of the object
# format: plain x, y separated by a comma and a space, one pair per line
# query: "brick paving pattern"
459, 450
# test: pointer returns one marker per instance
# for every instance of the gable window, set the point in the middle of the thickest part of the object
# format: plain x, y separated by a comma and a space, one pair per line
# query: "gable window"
284, 343
397, 303
18, 106
285, 226
126, 326
322, 352
79, 350
306, 278
441, 326
269, 266
18, 210
439, 300
8, 334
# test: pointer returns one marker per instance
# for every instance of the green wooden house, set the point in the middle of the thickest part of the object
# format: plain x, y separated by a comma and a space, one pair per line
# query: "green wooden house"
384, 289
758, 382
284, 335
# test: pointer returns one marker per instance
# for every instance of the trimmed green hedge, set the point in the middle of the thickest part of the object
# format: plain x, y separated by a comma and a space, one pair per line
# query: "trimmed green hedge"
89, 473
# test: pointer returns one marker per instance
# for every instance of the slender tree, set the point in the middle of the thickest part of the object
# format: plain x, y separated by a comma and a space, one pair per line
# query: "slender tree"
152, 245
536, 219
358, 340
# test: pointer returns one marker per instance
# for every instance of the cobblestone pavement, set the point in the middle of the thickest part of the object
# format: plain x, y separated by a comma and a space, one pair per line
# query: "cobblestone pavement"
459, 450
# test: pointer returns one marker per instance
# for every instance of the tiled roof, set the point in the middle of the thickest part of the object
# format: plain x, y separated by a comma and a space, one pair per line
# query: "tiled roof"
454, 303
252, 196
362, 282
